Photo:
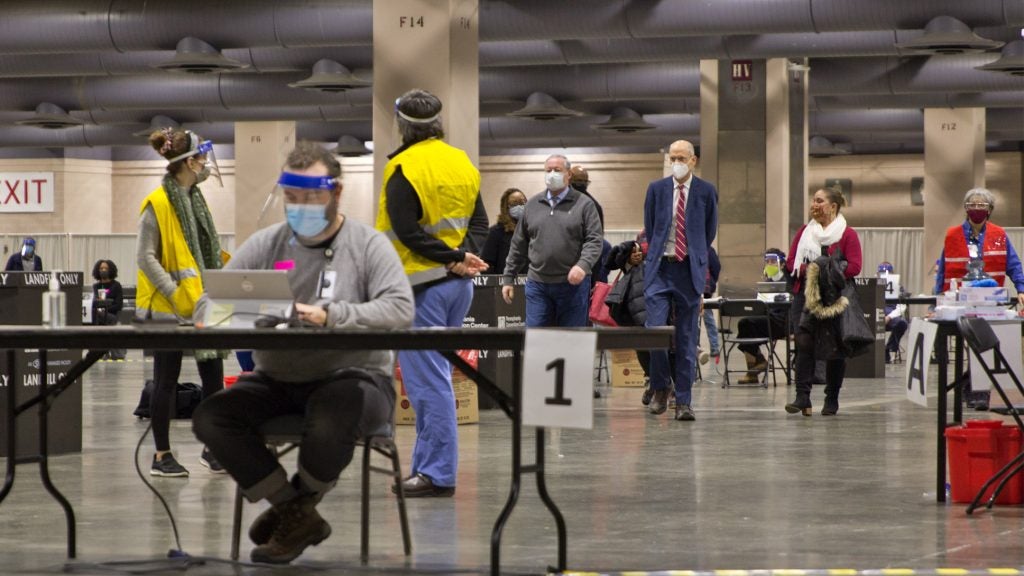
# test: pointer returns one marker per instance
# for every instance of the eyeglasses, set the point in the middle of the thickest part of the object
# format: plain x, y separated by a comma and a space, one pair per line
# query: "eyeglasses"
976, 205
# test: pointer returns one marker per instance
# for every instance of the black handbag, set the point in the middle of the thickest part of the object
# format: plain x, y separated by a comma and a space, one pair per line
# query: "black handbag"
853, 327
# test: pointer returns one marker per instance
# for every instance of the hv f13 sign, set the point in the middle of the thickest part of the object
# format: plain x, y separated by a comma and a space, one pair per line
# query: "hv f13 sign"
26, 192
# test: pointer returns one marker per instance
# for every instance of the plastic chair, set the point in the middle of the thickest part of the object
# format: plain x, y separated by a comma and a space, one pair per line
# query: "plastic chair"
981, 338
729, 311
284, 434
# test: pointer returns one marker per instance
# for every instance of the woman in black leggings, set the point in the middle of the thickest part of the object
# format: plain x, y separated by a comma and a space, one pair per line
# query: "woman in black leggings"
177, 242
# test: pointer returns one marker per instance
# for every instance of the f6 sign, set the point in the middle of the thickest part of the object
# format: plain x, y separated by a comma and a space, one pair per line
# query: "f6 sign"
26, 192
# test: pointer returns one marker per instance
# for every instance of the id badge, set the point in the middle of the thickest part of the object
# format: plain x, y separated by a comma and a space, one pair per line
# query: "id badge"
327, 279
972, 250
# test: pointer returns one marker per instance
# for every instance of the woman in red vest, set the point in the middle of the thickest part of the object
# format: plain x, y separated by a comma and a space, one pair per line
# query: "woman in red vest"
976, 237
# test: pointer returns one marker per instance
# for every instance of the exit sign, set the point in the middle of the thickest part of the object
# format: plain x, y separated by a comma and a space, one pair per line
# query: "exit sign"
742, 70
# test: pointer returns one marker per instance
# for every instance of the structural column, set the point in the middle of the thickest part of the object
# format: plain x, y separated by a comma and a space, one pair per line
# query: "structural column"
954, 162
433, 45
745, 152
260, 151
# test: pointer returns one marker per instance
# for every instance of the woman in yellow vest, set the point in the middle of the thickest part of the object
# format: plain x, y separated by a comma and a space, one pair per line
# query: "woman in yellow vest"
177, 241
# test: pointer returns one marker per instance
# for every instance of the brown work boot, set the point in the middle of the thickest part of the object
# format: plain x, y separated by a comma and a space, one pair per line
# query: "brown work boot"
300, 525
262, 528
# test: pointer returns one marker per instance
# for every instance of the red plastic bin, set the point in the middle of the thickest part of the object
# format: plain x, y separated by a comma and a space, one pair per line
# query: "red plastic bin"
976, 452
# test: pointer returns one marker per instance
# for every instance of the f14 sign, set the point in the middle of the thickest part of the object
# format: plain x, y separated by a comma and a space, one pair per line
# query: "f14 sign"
26, 192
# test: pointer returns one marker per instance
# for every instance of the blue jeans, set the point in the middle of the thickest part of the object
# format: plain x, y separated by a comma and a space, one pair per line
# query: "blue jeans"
712, 329
427, 378
560, 304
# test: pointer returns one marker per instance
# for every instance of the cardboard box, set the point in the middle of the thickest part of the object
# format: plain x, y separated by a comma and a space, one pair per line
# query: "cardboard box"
625, 369
467, 410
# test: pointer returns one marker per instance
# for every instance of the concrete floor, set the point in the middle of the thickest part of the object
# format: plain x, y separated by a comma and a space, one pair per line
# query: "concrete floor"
745, 487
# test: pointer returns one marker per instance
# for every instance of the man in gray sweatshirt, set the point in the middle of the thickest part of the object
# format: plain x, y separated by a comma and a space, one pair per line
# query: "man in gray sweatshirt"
560, 236
344, 275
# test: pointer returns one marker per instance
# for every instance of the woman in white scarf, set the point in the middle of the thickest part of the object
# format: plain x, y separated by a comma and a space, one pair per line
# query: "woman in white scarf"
827, 229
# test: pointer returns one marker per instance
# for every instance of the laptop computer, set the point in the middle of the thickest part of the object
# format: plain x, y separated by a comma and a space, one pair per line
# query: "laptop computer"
238, 298
771, 287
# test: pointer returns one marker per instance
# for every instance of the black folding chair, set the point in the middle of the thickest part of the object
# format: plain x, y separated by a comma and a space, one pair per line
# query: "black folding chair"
284, 434
732, 311
981, 338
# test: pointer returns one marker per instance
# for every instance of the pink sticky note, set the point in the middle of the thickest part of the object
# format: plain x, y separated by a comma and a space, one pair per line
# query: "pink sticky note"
284, 265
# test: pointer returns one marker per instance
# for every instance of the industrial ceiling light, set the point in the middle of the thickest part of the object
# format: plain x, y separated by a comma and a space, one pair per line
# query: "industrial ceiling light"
159, 122
541, 106
1010, 62
947, 35
350, 146
194, 56
625, 120
51, 117
329, 76
821, 147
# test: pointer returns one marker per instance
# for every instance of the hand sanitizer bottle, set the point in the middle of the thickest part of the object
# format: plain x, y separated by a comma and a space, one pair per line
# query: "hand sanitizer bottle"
54, 304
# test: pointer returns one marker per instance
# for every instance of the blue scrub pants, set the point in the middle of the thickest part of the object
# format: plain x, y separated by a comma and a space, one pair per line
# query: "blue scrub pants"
427, 378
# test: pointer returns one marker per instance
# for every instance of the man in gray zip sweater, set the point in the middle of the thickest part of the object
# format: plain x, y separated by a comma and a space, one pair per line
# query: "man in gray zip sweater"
560, 236
344, 275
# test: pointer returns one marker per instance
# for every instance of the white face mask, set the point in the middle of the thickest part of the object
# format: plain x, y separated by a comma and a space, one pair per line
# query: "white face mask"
680, 170
554, 181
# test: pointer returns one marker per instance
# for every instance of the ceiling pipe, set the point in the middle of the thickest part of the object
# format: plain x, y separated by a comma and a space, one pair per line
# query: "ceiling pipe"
542, 19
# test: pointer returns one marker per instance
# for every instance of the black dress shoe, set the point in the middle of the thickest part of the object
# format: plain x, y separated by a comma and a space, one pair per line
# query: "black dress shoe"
419, 486
659, 401
684, 413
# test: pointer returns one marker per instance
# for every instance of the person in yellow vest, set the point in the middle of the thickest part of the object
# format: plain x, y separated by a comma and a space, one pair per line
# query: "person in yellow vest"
431, 210
177, 241
978, 241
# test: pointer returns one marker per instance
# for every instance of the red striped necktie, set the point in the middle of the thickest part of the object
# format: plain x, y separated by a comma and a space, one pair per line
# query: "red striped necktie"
681, 225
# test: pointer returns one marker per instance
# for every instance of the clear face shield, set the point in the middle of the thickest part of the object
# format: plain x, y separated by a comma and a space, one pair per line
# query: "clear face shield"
304, 201
772, 266
203, 149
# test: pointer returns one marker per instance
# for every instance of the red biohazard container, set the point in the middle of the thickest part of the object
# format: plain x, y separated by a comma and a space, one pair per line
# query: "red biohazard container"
976, 452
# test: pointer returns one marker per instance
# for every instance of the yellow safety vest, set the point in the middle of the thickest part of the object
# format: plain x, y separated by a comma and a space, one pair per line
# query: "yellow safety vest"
447, 185
176, 259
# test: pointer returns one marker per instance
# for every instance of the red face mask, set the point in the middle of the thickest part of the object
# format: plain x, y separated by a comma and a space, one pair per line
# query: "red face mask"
977, 215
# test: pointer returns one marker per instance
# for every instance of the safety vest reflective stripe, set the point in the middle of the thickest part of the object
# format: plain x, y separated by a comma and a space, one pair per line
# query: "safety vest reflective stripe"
180, 275
445, 225
427, 275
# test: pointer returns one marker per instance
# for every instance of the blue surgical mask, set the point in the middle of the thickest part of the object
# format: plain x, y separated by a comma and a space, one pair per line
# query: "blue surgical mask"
306, 219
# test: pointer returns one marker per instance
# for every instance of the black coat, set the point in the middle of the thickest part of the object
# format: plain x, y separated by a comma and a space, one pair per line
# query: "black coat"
14, 262
634, 310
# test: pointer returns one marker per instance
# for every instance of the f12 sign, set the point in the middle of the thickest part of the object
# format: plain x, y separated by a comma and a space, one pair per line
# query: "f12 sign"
26, 192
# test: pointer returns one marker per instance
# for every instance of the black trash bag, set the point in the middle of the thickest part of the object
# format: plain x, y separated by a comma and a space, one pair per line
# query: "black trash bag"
189, 395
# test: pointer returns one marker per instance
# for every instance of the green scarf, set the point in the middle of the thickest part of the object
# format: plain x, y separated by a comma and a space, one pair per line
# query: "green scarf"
200, 236
200, 233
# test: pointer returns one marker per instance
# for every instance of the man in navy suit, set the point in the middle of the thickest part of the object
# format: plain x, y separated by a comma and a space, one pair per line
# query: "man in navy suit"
680, 220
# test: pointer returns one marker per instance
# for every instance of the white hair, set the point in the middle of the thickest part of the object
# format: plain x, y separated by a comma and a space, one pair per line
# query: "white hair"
564, 159
985, 194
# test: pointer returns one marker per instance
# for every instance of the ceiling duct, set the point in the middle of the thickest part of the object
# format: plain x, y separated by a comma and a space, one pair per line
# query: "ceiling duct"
51, 117
1011, 62
159, 122
194, 56
821, 147
350, 146
947, 35
329, 76
541, 106
625, 120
